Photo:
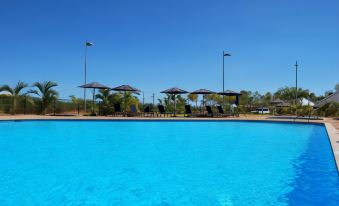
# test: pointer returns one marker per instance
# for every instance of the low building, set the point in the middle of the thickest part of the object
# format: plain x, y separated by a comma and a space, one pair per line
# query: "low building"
330, 98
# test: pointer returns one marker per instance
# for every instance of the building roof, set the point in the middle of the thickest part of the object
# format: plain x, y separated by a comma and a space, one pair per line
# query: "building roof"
306, 102
330, 98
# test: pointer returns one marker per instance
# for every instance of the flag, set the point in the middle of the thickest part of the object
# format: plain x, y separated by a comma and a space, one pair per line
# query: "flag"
89, 44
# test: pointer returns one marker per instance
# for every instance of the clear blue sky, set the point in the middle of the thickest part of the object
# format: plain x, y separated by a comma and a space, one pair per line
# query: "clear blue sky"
154, 45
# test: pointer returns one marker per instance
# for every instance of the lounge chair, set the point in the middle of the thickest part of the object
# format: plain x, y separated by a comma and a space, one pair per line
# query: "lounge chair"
148, 111
188, 111
117, 110
221, 112
134, 111
162, 111
209, 111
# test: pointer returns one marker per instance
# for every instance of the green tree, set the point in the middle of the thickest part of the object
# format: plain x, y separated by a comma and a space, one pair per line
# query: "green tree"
106, 100
75, 100
180, 104
336, 87
328, 93
246, 99
266, 99
105, 96
312, 97
15, 92
193, 98
256, 99
214, 99
288, 94
167, 101
129, 99
46, 93
328, 109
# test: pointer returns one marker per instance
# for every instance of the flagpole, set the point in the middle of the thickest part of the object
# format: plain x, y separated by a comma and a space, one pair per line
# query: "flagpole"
85, 76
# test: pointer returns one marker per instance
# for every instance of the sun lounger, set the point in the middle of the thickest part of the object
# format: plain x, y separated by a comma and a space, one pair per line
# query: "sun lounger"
134, 111
148, 111
188, 111
162, 111
221, 112
209, 111
117, 110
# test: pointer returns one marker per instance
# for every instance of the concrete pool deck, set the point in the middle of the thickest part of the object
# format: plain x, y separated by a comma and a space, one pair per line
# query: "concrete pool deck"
332, 126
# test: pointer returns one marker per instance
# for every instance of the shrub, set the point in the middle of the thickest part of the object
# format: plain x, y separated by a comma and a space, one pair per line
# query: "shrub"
330, 109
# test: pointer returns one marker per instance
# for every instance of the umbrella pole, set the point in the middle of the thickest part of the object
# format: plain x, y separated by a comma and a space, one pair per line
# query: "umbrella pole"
93, 100
125, 102
203, 103
175, 108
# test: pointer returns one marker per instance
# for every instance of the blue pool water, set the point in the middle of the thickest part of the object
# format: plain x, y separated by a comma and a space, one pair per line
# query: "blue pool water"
165, 163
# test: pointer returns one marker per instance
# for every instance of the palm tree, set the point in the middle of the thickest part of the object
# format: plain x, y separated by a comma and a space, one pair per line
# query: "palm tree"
214, 99
106, 97
288, 94
15, 93
166, 101
77, 102
46, 93
193, 98
129, 99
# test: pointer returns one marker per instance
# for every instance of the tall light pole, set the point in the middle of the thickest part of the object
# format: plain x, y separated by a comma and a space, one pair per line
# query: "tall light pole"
143, 100
296, 82
223, 73
153, 101
87, 44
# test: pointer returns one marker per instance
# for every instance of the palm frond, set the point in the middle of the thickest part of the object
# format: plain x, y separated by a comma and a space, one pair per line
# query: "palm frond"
32, 91
7, 88
50, 84
19, 86
40, 86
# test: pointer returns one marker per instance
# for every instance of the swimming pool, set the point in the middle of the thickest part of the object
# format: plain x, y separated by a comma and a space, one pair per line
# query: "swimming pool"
166, 163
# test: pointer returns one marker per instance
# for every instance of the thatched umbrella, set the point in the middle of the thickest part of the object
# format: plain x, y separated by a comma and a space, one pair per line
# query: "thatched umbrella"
94, 85
231, 93
174, 91
126, 88
276, 102
203, 92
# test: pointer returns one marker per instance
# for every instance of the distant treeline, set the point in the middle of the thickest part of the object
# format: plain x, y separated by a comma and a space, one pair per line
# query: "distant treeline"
42, 98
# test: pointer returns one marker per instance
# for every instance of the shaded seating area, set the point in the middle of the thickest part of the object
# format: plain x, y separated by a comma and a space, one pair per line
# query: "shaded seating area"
125, 89
94, 85
174, 91
128, 104
203, 92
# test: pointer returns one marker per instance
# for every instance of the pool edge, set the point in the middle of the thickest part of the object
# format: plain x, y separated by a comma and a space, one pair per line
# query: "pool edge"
333, 136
